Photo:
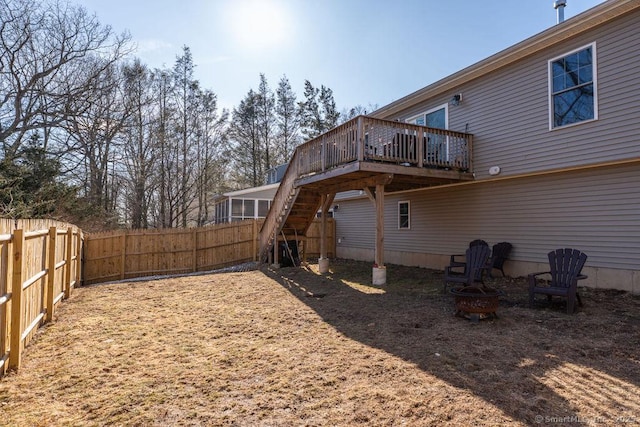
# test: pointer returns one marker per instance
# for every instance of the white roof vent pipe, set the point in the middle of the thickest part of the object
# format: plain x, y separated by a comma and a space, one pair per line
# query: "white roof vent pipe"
559, 6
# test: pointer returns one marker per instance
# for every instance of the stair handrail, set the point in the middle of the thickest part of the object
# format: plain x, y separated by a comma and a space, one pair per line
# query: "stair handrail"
278, 204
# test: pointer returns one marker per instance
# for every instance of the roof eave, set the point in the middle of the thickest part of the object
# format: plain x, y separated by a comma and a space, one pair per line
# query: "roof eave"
578, 24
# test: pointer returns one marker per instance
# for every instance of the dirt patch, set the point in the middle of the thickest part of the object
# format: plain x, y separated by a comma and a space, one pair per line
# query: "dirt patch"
293, 347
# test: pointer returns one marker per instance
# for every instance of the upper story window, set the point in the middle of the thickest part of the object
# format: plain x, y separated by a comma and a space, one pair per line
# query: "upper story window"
437, 148
435, 118
572, 87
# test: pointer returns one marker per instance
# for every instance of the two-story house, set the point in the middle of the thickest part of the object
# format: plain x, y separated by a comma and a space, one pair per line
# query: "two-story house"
537, 145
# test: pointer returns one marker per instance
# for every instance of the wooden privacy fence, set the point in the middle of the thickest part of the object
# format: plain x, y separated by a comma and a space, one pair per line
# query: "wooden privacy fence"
38, 268
128, 254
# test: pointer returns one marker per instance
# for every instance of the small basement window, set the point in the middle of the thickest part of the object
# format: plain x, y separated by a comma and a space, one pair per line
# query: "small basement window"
404, 215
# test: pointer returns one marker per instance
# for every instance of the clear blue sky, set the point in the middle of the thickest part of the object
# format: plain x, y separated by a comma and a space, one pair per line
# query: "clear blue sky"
366, 51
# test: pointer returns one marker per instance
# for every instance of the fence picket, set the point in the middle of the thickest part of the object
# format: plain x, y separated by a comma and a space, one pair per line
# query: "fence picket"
16, 300
176, 251
30, 286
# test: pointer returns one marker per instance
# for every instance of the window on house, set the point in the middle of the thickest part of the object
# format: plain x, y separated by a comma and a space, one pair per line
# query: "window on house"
404, 215
434, 118
572, 87
437, 148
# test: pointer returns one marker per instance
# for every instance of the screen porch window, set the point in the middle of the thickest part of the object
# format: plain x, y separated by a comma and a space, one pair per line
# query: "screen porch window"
572, 81
243, 209
263, 208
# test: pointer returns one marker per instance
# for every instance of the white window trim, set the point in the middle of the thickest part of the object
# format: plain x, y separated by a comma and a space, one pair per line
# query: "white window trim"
594, 64
408, 202
424, 114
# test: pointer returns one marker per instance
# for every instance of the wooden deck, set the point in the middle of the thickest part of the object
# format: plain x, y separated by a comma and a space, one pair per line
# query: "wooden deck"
364, 147
369, 154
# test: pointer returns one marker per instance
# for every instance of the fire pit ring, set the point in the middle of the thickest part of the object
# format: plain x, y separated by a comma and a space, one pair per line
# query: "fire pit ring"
475, 302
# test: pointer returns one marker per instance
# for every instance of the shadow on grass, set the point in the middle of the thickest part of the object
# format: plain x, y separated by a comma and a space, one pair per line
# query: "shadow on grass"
529, 363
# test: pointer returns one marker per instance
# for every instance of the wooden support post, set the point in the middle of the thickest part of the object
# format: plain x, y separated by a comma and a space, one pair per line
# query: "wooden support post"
15, 349
323, 227
379, 270
379, 257
276, 249
68, 266
123, 253
325, 204
51, 273
323, 262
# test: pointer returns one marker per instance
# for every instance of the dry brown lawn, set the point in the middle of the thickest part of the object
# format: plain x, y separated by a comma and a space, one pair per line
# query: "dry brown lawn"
292, 347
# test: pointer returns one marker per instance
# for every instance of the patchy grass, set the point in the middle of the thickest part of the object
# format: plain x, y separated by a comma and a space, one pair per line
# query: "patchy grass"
293, 347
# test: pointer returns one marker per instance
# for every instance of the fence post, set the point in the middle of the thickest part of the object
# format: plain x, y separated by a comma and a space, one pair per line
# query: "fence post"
78, 257
15, 350
194, 239
123, 254
254, 238
51, 273
67, 275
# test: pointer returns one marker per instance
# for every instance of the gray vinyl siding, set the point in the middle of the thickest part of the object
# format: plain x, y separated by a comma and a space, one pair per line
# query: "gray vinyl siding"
507, 111
596, 210
355, 223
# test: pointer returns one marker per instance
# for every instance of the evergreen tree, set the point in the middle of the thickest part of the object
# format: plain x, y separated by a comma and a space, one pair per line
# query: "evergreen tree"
318, 110
288, 120
186, 92
247, 151
29, 186
265, 109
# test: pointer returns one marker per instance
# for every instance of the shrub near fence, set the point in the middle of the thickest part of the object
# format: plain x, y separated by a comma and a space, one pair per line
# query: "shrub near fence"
37, 270
139, 253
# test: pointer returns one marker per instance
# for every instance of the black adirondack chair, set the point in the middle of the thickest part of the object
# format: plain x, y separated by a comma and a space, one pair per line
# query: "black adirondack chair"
457, 260
476, 263
499, 254
565, 271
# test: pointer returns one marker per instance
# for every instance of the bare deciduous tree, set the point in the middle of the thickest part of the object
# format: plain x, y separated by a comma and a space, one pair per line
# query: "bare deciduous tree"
44, 52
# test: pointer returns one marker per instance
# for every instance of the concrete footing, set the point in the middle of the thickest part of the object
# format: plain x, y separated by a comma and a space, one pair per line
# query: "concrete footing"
323, 265
379, 276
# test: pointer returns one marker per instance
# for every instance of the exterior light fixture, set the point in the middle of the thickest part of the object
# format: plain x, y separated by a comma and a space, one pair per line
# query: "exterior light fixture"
457, 99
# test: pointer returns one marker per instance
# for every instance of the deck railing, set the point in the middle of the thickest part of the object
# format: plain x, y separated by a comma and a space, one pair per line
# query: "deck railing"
368, 139
278, 204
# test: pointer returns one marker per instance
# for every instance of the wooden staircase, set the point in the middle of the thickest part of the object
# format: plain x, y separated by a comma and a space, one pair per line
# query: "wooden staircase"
367, 154
292, 211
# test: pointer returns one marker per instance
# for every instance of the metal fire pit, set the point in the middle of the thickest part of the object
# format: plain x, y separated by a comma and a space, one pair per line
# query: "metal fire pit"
476, 302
